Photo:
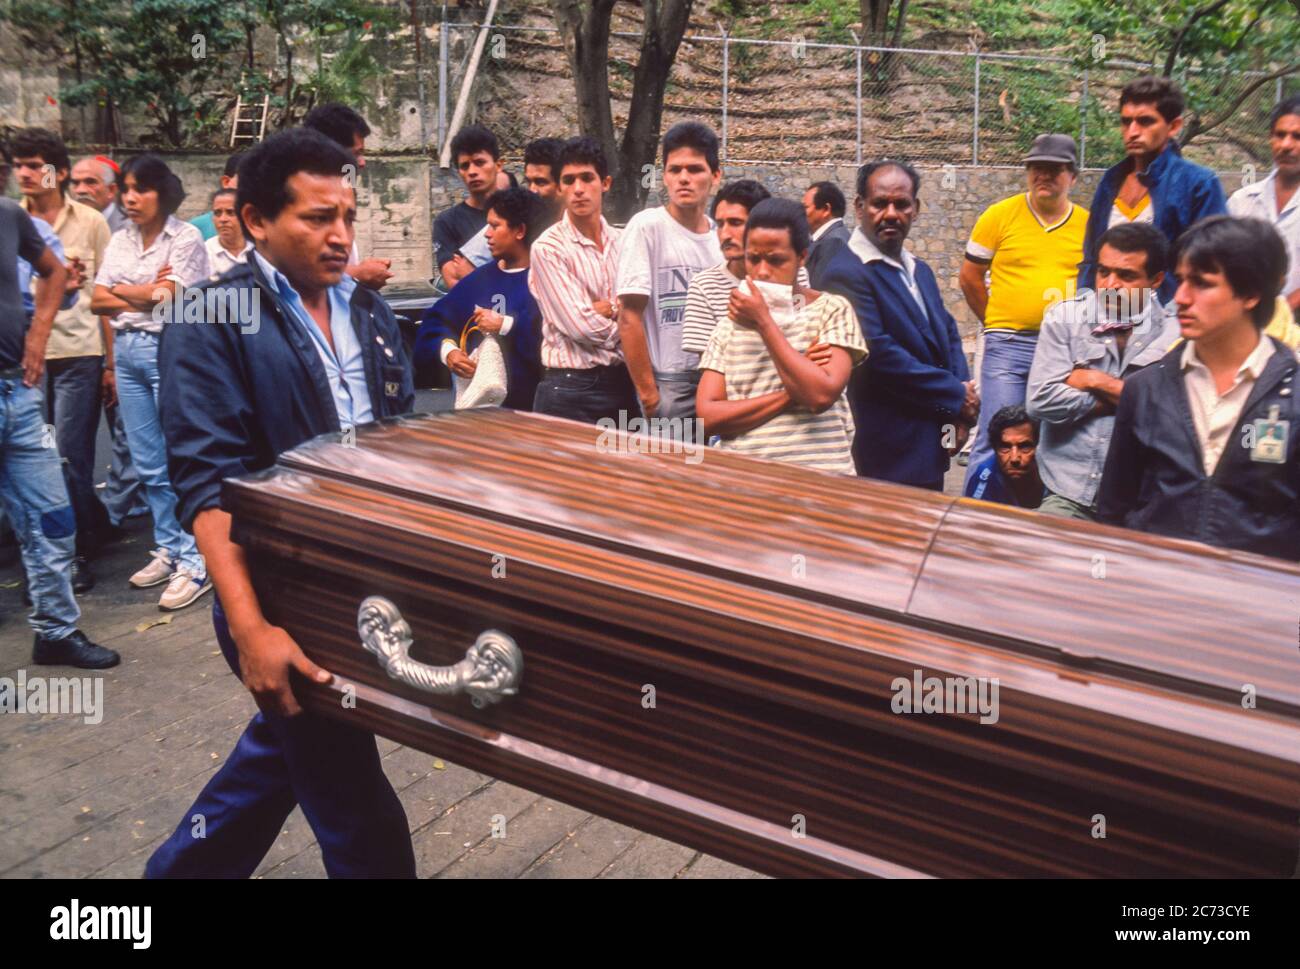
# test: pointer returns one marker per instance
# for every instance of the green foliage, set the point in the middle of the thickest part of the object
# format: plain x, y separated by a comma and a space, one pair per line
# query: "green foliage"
1212, 56
162, 57
181, 62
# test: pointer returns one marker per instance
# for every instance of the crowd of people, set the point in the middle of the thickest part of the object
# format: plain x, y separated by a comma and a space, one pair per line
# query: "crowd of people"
1138, 366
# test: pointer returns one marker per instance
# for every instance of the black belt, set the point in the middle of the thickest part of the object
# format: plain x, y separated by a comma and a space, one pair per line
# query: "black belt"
568, 371
13, 373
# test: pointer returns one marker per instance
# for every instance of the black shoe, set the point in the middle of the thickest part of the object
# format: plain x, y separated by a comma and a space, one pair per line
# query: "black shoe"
83, 580
75, 650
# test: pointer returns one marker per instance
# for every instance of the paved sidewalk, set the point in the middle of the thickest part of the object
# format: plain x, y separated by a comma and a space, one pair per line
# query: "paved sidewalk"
82, 800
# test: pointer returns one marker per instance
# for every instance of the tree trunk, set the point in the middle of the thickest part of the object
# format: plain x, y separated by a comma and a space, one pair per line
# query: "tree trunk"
876, 33
665, 23
585, 25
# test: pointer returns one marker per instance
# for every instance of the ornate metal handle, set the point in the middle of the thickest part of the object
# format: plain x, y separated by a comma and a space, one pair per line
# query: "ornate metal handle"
491, 669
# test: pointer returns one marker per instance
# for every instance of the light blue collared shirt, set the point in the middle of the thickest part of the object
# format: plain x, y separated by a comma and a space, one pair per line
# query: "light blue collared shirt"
344, 365
25, 271
1073, 440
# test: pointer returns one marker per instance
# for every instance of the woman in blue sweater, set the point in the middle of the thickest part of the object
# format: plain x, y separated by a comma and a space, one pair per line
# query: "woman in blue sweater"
495, 298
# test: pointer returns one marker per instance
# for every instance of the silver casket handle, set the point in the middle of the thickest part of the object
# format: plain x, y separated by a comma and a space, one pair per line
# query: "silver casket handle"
492, 667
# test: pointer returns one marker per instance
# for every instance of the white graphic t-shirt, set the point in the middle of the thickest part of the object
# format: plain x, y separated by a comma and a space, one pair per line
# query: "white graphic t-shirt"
657, 259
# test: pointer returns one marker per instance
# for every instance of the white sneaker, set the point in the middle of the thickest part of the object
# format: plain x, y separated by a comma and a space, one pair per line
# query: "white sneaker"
156, 572
183, 589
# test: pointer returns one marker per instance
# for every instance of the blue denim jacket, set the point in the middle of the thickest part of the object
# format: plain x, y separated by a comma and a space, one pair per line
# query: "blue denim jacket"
1072, 440
1182, 193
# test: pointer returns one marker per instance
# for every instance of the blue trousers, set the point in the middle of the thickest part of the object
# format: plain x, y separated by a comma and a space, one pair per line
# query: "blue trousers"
331, 769
35, 497
137, 396
1004, 374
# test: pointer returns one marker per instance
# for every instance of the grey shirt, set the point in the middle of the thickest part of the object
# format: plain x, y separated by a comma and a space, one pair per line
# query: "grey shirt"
18, 238
1073, 441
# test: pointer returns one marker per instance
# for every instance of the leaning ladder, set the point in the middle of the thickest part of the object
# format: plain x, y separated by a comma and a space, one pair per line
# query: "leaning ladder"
256, 125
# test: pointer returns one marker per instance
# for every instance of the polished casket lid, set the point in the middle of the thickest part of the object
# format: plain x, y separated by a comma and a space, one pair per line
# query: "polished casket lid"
812, 551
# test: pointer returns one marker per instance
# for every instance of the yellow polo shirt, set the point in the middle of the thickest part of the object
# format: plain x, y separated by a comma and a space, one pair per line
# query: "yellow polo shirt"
1032, 265
84, 234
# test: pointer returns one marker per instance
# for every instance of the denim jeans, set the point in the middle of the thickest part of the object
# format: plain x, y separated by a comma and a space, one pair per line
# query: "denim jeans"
123, 493
1004, 373
330, 768
137, 394
36, 500
587, 395
73, 402
677, 393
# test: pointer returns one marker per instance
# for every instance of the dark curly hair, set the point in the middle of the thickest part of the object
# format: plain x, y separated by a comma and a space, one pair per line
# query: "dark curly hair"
520, 207
45, 145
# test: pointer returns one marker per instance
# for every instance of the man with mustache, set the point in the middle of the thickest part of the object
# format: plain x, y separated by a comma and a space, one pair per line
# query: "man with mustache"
1030, 245
1011, 476
94, 183
1275, 199
321, 353
1089, 346
913, 399
1154, 183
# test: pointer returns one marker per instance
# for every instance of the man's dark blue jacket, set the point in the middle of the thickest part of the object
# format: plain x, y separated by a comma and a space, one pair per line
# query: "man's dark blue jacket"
235, 395
1182, 193
1155, 480
911, 384
822, 250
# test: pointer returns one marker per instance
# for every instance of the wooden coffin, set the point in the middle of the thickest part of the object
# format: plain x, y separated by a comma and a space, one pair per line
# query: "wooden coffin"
713, 649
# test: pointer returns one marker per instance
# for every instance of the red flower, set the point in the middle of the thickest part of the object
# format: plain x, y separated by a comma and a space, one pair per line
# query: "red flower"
50, 99
366, 25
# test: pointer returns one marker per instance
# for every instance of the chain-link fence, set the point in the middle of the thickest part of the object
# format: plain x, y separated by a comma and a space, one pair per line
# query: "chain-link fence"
804, 101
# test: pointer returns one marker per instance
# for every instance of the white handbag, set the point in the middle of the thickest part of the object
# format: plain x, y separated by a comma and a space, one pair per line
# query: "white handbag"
487, 388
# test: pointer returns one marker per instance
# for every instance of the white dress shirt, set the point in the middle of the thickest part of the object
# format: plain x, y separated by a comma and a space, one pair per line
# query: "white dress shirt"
219, 258
825, 227
867, 251
126, 260
1215, 415
1259, 201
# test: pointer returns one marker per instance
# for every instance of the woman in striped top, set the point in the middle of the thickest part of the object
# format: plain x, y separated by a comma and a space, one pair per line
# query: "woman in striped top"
760, 391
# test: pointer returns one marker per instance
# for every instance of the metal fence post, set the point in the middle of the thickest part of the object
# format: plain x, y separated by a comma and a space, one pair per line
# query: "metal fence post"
726, 83
1083, 121
858, 136
443, 35
975, 136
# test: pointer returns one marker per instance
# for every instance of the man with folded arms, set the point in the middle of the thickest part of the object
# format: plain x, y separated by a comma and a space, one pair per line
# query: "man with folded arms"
572, 275
1088, 347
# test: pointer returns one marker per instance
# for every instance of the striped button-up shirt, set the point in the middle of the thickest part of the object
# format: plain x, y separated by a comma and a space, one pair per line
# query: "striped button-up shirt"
568, 272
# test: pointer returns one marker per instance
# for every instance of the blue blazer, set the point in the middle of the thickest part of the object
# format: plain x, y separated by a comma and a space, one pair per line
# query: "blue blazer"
911, 384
